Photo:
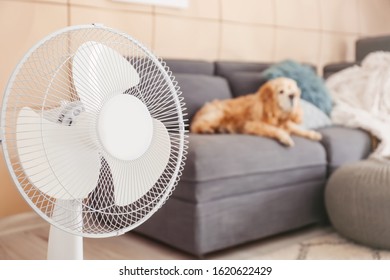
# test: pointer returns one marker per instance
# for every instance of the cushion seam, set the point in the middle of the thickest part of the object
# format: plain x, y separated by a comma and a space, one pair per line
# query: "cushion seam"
249, 192
252, 173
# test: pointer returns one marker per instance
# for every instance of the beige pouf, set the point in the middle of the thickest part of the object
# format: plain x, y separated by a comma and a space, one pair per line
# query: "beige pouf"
357, 199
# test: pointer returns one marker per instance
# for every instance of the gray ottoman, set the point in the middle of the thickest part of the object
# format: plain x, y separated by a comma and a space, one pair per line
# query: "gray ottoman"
357, 199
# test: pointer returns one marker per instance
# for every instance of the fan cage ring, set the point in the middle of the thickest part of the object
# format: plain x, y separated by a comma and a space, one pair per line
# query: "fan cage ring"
96, 215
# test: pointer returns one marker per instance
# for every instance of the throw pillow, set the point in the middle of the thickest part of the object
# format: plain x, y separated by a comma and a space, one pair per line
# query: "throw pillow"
312, 86
313, 117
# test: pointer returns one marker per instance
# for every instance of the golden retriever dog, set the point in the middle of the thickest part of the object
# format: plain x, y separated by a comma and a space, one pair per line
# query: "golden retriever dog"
273, 111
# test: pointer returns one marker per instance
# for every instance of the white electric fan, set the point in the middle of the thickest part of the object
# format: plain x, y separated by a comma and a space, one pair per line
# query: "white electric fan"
93, 134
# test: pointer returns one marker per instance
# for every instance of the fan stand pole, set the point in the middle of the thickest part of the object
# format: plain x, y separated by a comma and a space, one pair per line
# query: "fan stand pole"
63, 245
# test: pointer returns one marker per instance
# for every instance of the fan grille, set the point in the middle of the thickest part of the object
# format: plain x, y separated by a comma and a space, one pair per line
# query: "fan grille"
43, 82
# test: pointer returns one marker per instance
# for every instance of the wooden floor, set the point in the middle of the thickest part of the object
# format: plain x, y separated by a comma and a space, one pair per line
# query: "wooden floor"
25, 237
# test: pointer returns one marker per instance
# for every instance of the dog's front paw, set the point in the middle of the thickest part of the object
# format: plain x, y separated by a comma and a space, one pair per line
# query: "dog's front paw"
314, 135
286, 139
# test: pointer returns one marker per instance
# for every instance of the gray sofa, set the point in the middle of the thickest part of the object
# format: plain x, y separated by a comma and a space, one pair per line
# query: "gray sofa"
240, 188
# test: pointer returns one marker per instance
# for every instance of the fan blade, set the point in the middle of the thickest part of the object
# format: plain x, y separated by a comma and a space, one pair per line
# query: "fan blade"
61, 161
133, 179
99, 71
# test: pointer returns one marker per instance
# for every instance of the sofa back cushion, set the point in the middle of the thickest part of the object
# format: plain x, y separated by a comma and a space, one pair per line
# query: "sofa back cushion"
185, 66
364, 46
197, 82
198, 89
225, 68
244, 82
243, 77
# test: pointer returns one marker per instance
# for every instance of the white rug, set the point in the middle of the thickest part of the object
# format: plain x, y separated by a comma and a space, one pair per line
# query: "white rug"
329, 246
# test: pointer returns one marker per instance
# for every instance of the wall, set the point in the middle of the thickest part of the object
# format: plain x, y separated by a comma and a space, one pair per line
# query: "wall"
316, 31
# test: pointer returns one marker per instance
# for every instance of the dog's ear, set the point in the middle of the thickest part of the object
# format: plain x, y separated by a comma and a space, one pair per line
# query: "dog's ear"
266, 94
268, 103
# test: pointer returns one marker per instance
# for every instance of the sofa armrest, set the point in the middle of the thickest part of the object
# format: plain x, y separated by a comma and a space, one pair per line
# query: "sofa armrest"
332, 68
344, 145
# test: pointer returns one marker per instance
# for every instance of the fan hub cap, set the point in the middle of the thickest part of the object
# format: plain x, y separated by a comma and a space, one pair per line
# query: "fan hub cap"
125, 127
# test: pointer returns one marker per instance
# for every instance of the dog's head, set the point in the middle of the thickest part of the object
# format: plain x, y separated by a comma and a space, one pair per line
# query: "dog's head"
280, 98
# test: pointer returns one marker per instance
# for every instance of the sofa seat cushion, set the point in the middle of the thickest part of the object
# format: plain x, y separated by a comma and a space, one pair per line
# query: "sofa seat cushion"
212, 157
222, 165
